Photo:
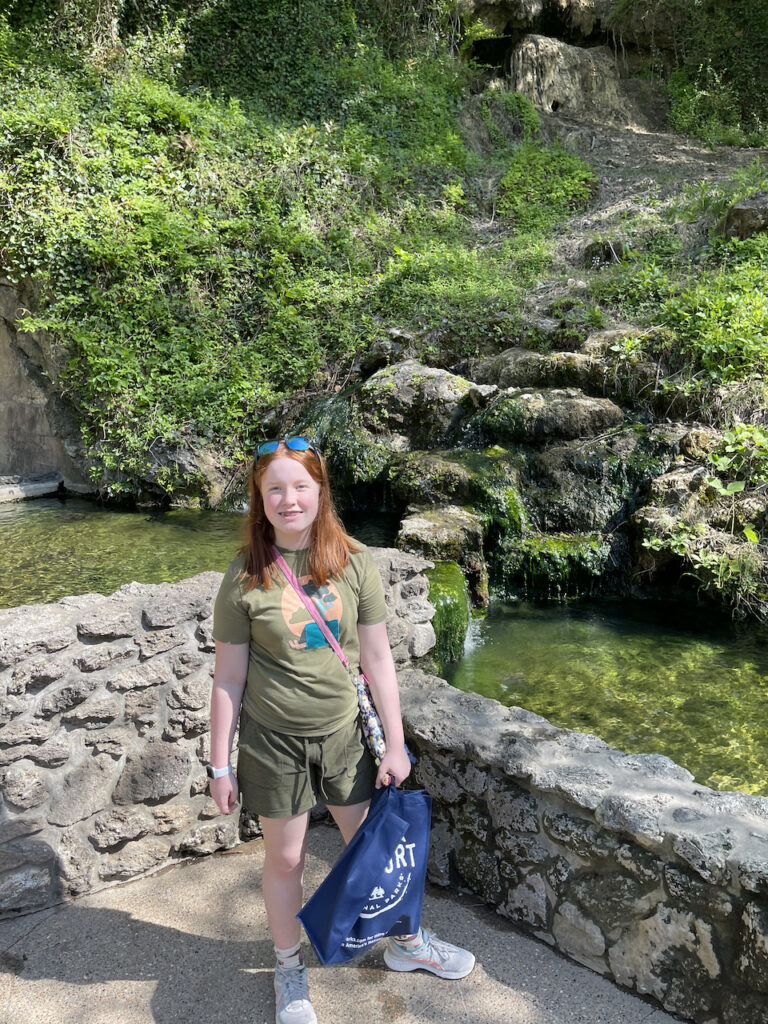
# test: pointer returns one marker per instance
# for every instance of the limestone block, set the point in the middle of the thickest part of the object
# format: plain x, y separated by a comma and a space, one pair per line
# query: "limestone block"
416, 587
66, 697
637, 815
38, 672
471, 820
177, 607
52, 754
108, 621
204, 636
558, 874
753, 872
579, 936
580, 837
638, 863
143, 707
161, 640
185, 661
23, 787
95, 714
473, 779
584, 785
653, 766
171, 818
158, 772
521, 849
752, 960
31, 630
528, 902
76, 861
192, 694
10, 858
25, 826
134, 859
112, 827
479, 868
421, 640
746, 1008
397, 630
114, 742
441, 785
186, 723
441, 845
706, 853
84, 791
690, 892
140, 677
417, 610
26, 889
671, 956
208, 838
612, 900
11, 706
93, 659
17, 734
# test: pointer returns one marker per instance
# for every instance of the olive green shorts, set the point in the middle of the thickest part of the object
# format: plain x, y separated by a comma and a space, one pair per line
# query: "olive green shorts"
281, 775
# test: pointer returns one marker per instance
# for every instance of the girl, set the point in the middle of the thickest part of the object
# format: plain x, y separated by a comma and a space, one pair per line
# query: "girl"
300, 735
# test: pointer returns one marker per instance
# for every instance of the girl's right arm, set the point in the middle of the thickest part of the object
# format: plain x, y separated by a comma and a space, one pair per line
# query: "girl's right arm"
229, 678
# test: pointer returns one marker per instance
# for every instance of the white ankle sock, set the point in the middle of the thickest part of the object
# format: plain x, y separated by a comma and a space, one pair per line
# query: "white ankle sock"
291, 957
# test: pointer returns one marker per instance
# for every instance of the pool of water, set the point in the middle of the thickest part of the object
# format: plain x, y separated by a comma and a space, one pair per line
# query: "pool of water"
52, 547
646, 677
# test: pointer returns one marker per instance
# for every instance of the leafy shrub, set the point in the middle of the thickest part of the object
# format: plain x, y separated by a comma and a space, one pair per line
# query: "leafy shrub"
543, 184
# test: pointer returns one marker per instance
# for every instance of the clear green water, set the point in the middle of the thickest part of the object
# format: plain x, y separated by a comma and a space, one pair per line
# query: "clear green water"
50, 548
644, 677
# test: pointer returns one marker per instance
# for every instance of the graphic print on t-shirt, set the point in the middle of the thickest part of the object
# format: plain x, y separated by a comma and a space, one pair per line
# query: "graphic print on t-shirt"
307, 633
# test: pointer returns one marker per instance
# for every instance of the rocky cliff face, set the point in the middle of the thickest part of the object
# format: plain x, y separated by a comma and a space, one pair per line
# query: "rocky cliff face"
38, 433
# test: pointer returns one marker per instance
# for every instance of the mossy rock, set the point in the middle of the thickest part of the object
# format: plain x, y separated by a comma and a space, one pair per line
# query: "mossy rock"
449, 593
535, 417
551, 566
354, 455
489, 481
448, 533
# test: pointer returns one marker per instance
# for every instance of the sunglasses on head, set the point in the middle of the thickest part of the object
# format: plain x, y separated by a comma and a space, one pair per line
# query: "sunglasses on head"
295, 443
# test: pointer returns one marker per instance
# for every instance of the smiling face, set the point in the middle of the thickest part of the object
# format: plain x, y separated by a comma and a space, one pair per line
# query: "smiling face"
290, 498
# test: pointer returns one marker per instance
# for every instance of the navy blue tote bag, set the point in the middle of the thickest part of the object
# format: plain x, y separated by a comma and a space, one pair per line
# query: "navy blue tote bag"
376, 887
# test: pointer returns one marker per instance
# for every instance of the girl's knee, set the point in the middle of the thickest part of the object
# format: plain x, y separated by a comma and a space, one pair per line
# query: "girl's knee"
285, 861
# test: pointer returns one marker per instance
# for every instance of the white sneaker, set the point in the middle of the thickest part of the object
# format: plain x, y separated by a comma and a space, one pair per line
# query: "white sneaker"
432, 954
292, 1005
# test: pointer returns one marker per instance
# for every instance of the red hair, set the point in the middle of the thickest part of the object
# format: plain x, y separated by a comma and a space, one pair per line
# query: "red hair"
329, 544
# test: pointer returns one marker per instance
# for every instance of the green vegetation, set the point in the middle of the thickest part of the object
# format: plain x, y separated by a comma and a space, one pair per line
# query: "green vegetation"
543, 184
705, 308
448, 593
221, 204
718, 86
550, 565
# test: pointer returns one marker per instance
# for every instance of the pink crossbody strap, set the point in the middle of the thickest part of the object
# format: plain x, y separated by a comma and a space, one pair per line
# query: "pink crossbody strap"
309, 604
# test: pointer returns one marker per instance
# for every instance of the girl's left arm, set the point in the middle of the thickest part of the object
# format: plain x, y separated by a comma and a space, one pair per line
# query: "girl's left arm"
376, 661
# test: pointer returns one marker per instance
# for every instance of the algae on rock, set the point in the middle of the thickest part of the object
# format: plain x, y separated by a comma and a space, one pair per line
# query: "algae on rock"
449, 594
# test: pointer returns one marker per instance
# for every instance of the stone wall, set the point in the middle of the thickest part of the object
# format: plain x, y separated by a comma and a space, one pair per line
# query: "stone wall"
620, 861
104, 705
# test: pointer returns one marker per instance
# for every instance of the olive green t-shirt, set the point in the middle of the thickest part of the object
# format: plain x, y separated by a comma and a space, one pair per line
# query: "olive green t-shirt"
296, 683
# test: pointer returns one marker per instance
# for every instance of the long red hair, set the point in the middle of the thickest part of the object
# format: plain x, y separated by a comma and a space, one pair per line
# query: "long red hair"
329, 544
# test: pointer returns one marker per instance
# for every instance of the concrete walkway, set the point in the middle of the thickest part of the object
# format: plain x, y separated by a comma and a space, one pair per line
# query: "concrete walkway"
190, 946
